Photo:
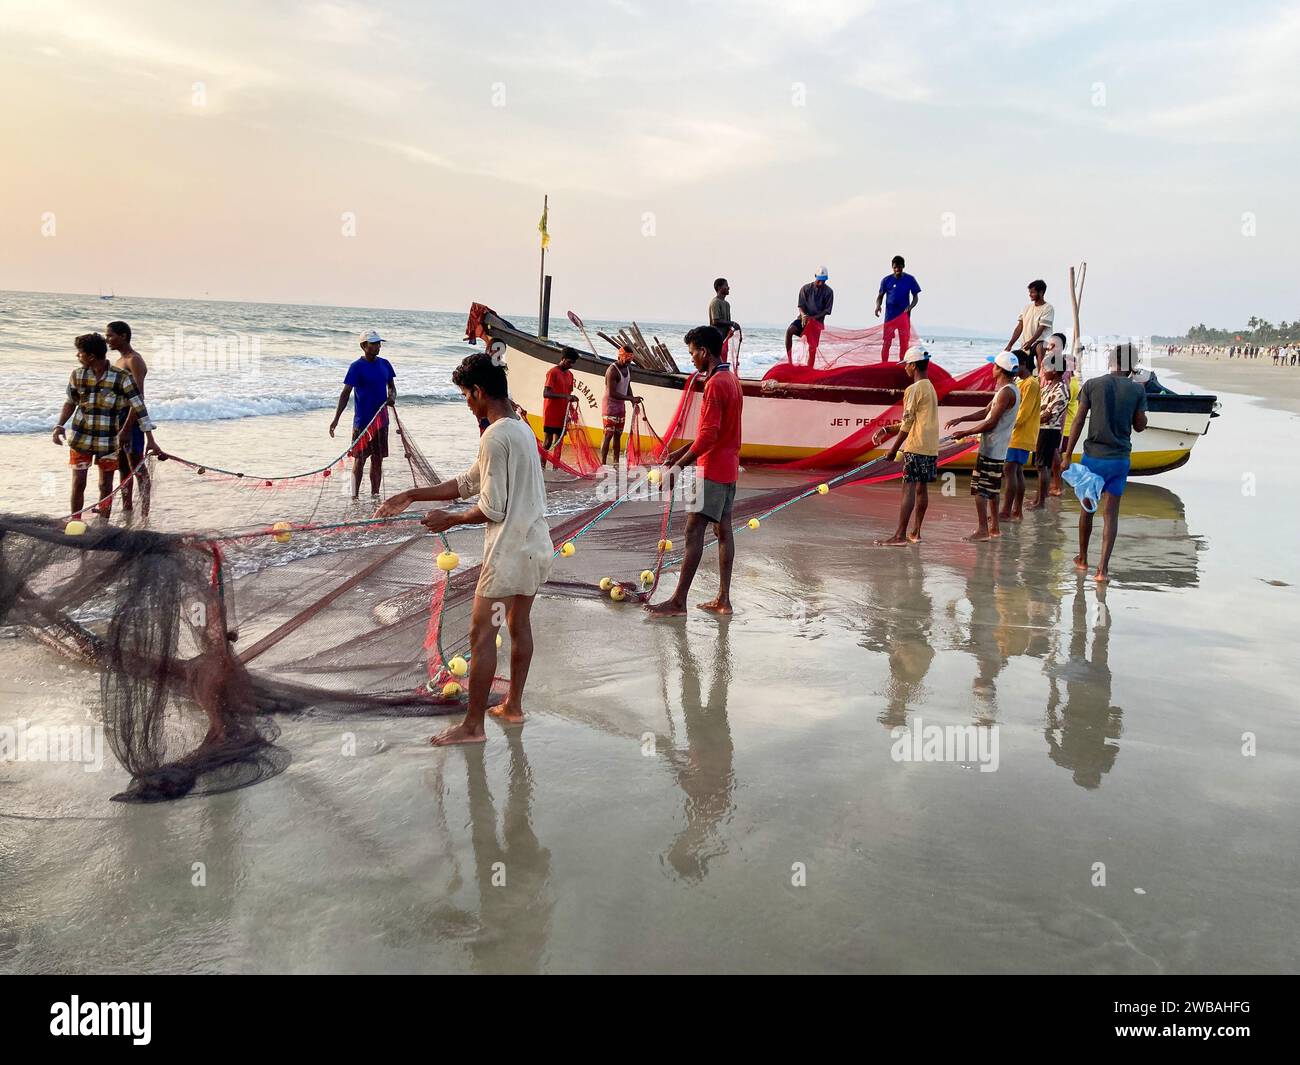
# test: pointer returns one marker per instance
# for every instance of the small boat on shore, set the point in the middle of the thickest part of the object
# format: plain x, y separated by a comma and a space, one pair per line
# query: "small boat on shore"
785, 421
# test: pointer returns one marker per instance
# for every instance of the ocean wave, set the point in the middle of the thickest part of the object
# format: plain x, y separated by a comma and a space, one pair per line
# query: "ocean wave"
222, 409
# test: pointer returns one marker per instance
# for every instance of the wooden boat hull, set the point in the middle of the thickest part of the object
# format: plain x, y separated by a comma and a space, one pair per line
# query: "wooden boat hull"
784, 422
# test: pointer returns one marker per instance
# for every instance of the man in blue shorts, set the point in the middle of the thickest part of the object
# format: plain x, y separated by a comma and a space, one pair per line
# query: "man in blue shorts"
1114, 406
371, 378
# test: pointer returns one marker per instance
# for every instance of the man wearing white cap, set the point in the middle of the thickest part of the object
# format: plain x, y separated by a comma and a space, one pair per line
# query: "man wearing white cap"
815, 302
995, 423
372, 378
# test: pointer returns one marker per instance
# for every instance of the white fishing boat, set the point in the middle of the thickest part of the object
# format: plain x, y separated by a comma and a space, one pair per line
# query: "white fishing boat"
786, 421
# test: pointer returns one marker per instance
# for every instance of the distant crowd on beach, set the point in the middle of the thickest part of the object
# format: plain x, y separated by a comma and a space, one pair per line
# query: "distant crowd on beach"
1278, 354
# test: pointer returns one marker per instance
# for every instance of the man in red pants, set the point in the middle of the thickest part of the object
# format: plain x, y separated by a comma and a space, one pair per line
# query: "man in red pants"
815, 302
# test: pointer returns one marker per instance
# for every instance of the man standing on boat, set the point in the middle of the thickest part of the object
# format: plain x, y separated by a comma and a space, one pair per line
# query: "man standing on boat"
716, 454
1034, 323
1114, 407
900, 293
372, 379
720, 314
815, 302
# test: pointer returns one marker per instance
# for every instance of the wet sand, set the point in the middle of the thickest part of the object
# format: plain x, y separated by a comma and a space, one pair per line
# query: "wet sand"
1275, 387
720, 796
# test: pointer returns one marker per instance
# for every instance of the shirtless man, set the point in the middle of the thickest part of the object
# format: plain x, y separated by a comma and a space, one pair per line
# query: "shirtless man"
130, 460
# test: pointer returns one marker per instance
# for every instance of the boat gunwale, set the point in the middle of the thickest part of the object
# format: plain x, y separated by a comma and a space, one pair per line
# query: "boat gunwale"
550, 351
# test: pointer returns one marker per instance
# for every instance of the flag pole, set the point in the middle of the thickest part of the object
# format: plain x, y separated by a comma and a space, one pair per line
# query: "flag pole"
541, 273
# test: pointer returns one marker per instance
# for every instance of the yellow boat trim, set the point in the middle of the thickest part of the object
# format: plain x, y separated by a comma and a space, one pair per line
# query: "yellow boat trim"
1142, 460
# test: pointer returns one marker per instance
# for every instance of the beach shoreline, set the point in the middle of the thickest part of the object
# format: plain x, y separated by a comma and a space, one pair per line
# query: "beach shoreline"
1274, 387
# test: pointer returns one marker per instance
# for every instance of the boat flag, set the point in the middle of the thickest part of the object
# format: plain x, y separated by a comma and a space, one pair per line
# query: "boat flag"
541, 228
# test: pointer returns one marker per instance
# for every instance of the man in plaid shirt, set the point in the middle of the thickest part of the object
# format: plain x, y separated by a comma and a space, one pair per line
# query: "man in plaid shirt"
107, 407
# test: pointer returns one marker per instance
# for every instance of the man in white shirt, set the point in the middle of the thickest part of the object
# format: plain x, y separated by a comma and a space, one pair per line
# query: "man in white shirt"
1035, 321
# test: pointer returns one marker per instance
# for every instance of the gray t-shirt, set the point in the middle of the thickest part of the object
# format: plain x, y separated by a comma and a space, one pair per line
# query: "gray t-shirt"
720, 314
1112, 403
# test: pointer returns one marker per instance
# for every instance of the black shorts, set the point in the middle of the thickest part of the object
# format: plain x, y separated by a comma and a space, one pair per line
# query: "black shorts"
1049, 443
555, 430
919, 469
378, 446
796, 327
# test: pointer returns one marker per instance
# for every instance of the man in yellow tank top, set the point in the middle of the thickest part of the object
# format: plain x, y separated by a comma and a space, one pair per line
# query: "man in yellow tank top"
1024, 440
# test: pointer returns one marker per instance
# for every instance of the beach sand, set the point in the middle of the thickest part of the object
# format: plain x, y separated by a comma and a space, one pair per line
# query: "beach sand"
1276, 387
720, 796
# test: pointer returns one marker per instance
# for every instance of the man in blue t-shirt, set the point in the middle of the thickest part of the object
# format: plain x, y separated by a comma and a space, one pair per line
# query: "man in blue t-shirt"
371, 378
899, 291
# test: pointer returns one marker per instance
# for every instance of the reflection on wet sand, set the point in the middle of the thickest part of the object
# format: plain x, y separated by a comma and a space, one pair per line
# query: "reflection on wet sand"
908, 639
704, 767
1080, 735
512, 869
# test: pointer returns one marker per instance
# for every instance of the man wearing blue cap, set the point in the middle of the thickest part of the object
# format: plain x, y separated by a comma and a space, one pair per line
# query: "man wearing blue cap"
372, 378
815, 302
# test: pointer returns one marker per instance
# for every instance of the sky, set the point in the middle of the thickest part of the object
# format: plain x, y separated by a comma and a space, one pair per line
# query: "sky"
396, 154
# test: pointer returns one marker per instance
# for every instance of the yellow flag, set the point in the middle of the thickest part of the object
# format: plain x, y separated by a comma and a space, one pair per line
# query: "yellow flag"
541, 228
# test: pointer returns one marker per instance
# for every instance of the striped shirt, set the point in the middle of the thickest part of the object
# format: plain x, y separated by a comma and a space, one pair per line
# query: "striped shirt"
102, 406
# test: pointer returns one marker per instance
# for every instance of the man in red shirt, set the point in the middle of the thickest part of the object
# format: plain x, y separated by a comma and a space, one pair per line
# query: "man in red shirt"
557, 393
716, 453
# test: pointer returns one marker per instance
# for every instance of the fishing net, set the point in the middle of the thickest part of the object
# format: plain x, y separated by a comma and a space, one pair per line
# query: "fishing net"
305, 603
841, 349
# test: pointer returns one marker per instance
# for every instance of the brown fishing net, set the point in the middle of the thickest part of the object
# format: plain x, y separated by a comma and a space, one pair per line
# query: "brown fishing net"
201, 638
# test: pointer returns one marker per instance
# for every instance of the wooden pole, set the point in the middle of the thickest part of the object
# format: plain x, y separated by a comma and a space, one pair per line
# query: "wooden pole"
541, 277
545, 326
1074, 302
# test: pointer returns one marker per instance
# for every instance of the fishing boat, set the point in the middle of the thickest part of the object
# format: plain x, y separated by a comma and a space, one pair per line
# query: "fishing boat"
784, 421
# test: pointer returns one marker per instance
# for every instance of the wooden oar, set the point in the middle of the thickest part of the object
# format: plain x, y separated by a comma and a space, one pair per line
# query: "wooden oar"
583, 330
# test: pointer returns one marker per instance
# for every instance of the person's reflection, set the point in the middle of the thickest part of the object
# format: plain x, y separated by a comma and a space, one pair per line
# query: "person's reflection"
513, 871
986, 636
909, 642
704, 768
1077, 735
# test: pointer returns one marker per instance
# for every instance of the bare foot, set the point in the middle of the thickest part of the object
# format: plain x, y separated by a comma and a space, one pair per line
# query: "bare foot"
894, 541
458, 734
716, 606
507, 714
1101, 577
1055, 490
666, 609
914, 537
994, 533
1081, 564
1038, 504
979, 536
